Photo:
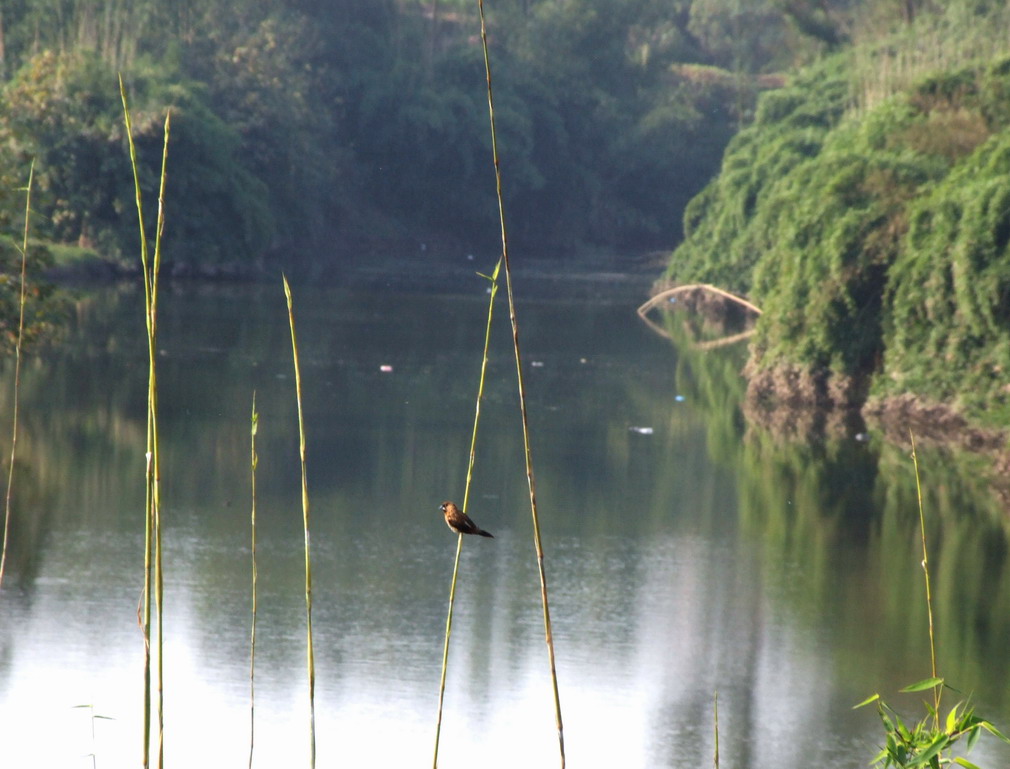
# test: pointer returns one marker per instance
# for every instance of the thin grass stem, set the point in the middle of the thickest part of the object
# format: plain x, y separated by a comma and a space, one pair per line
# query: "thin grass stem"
715, 757
159, 582
480, 385
148, 516
310, 655
152, 525
17, 371
445, 648
938, 689
466, 496
253, 461
538, 544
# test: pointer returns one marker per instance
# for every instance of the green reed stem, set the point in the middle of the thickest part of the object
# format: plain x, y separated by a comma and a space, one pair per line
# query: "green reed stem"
493, 277
159, 583
716, 755
152, 526
466, 496
538, 544
253, 461
148, 517
445, 648
938, 689
311, 663
17, 370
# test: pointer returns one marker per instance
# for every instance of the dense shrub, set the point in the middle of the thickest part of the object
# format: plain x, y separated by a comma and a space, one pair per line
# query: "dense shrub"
875, 241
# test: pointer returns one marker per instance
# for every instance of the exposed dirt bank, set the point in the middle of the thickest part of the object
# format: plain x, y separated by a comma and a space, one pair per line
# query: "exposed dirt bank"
796, 403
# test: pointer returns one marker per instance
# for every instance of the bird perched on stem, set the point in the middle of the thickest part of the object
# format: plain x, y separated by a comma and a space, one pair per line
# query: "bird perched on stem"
460, 522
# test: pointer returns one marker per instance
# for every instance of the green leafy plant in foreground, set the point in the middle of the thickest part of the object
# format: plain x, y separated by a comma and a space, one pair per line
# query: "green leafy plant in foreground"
928, 742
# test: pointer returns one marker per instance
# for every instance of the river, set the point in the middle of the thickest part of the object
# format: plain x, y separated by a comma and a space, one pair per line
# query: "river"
686, 552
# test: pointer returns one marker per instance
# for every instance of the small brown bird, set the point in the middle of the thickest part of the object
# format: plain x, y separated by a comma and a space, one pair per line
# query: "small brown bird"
460, 522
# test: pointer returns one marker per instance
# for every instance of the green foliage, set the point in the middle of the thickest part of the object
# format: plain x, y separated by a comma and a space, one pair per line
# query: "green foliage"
837, 226
900, 42
299, 119
269, 89
62, 110
734, 221
45, 308
424, 144
951, 290
927, 743
743, 36
875, 241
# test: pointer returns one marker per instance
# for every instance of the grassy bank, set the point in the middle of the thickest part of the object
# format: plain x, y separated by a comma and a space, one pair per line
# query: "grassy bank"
873, 233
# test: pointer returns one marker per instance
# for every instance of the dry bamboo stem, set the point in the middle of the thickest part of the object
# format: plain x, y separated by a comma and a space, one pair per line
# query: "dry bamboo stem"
17, 373
310, 652
538, 544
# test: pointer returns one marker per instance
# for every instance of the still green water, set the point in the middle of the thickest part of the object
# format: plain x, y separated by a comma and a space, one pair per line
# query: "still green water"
701, 554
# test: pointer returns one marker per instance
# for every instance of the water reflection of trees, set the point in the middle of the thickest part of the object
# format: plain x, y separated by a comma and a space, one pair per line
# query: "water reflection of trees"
654, 547
844, 514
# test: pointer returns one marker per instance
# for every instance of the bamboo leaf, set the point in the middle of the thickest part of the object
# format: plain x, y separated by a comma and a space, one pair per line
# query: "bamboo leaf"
867, 701
934, 749
952, 719
994, 731
973, 736
926, 683
965, 762
902, 729
888, 723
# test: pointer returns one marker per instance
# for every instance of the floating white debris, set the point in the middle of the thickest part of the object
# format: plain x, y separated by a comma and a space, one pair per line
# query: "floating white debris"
862, 437
537, 364
678, 398
641, 430
385, 368
583, 360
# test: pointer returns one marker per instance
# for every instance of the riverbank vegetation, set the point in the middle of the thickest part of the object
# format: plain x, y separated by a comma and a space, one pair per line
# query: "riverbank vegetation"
362, 121
866, 212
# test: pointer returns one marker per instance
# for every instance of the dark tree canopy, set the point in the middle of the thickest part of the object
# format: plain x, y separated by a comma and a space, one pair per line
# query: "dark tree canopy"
298, 121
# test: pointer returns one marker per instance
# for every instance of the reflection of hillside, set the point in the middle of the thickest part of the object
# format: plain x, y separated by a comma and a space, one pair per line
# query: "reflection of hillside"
828, 505
707, 554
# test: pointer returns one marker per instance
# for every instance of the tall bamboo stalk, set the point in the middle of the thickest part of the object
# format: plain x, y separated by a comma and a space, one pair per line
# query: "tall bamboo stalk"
253, 461
538, 544
17, 371
938, 689
152, 526
466, 496
310, 655
715, 755
159, 582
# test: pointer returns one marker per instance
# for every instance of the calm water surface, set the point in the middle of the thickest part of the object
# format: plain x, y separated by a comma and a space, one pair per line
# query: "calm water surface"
704, 555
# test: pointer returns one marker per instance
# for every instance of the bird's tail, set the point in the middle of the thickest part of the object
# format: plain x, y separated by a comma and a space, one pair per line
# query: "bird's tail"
485, 533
